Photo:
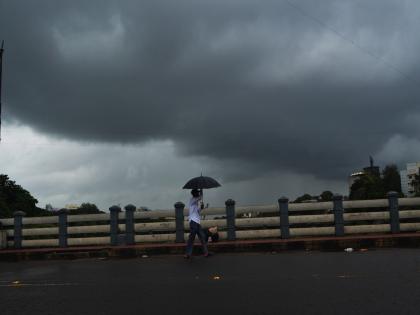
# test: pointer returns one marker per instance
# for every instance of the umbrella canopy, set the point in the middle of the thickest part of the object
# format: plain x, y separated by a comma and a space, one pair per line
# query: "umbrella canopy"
201, 182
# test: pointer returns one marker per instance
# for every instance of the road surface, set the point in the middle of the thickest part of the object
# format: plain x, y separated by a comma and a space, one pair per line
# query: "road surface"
372, 282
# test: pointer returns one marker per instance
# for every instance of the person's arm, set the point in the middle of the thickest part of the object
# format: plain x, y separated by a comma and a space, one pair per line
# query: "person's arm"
196, 201
200, 200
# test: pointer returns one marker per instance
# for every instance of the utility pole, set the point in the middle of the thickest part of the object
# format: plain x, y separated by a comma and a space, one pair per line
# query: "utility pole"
1, 70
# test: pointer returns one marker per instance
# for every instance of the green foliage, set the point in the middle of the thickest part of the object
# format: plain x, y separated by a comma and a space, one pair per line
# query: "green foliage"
13, 198
367, 187
391, 178
304, 197
326, 195
370, 186
86, 208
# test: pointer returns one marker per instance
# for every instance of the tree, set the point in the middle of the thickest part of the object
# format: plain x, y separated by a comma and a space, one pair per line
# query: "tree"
326, 195
304, 197
391, 178
86, 208
13, 198
416, 185
367, 187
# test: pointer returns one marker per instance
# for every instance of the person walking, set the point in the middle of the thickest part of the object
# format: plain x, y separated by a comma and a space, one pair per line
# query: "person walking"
195, 207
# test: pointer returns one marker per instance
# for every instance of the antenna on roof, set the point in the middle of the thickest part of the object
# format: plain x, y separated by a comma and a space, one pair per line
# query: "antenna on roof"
1, 68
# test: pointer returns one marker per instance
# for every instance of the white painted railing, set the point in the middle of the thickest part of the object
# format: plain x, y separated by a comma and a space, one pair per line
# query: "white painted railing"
283, 220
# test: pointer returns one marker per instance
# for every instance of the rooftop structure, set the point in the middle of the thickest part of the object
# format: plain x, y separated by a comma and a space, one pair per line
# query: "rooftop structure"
369, 170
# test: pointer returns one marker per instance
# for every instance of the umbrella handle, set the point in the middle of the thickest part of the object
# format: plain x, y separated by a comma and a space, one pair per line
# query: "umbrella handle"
202, 198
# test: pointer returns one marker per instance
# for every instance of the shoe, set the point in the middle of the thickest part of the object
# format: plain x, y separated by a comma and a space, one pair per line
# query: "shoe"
187, 256
208, 254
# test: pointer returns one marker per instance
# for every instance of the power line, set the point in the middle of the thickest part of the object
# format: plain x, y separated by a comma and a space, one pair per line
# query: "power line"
351, 41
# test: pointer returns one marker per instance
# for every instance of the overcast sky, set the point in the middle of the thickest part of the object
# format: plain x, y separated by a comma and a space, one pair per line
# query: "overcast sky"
117, 102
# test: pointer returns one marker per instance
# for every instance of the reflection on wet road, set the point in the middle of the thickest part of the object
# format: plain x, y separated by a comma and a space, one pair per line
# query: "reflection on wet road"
369, 282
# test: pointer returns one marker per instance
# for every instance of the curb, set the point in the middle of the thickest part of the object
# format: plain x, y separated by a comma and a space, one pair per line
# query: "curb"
402, 240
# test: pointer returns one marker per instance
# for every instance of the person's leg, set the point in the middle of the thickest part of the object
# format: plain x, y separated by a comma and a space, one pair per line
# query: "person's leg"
206, 234
203, 241
191, 238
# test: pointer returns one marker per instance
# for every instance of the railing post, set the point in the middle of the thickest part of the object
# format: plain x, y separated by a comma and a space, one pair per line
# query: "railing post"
3, 237
394, 216
129, 224
338, 215
230, 219
18, 225
179, 222
114, 210
62, 228
284, 217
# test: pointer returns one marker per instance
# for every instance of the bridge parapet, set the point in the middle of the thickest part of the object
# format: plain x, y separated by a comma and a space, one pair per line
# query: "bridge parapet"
282, 220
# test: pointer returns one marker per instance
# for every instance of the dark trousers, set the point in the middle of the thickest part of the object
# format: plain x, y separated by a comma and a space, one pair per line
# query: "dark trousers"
195, 229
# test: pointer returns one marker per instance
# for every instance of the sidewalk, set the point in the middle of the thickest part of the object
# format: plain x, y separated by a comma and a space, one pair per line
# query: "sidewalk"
356, 242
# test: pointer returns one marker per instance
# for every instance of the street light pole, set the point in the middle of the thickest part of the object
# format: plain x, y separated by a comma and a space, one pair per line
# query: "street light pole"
1, 70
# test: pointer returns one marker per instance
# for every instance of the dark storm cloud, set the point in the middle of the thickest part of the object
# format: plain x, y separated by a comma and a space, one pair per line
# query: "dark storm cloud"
312, 87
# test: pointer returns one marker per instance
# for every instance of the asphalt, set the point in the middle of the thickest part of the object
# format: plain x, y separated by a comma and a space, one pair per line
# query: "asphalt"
324, 243
385, 281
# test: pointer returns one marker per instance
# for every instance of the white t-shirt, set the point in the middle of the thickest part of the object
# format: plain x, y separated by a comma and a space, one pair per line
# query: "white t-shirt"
194, 209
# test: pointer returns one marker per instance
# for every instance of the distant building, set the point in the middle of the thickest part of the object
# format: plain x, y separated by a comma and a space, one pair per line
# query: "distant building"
404, 182
71, 206
353, 177
369, 170
408, 177
50, 208
372, 169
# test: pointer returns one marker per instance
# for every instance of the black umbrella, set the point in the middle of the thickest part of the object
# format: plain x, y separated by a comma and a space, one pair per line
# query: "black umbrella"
201, 182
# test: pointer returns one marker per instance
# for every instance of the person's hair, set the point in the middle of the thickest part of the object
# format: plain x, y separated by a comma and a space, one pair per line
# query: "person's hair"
195, 193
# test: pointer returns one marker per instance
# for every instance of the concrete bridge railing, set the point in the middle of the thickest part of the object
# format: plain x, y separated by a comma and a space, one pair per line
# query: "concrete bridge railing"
283, 220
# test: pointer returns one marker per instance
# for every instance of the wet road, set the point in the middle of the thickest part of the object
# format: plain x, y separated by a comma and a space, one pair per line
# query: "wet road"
372, 282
